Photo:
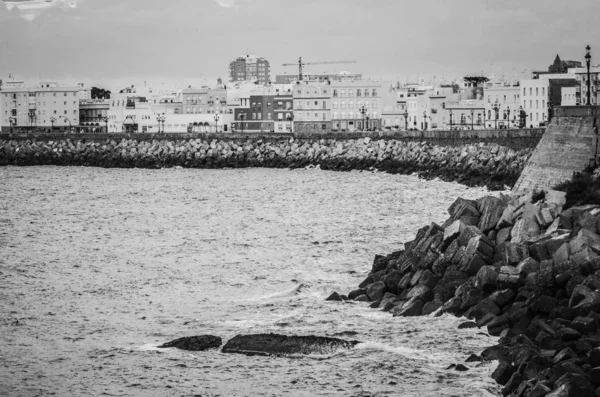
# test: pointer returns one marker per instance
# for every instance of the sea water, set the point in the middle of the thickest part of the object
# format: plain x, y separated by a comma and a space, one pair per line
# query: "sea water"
100, 266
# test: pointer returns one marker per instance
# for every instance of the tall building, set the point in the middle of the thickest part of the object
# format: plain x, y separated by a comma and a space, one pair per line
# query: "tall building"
250, 68
44, 105
312, 107
356, 105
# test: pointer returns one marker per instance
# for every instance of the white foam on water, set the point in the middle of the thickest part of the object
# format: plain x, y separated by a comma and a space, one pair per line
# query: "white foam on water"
404, 351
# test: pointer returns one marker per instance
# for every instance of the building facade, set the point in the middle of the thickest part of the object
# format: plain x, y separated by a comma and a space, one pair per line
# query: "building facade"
93, 115
356, 105
205, 100
44, 106
250, 68
320, 78
312, 107
538, 96
502, 100
581, 76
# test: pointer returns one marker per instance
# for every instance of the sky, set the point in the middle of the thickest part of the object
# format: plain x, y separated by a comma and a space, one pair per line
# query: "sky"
116, 43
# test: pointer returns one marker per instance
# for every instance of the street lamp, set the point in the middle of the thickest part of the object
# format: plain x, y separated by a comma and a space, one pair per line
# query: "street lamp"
105, 119
161, 119
508, 116
52, 121
588, 58
496, 108
425, 120
68, 121
405, 114
367, 117
217, 123
450, 119
290, 118
242, 117
472, 113
363, 110
12, 121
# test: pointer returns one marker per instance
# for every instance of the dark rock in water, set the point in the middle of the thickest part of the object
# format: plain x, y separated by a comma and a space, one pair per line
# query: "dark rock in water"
460, 367
194, 343
473, 358
335, 297
279, 345
467, 324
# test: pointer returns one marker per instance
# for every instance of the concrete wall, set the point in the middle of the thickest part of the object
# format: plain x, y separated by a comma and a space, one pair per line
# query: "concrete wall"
568, 146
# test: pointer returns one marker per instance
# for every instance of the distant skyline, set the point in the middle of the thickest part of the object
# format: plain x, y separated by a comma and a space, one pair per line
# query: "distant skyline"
115, 43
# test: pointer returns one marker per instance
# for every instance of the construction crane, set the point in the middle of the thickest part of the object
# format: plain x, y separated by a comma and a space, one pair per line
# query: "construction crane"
302, 64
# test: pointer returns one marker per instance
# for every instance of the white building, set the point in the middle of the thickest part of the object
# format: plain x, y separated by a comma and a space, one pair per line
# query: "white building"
44, 105
502, 100
568, 96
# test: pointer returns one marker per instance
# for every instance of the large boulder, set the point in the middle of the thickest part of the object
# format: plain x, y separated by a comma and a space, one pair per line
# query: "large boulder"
491, 209
194, 343
279, 345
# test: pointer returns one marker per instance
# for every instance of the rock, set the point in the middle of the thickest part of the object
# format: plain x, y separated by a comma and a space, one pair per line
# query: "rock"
568, 334
392, 280
471, 264
473, 358
462, 207
452, 232
422, 292
484, 307
411, 308
524, 229
585, 238
335, 297
376, 291
428, 279
356, 293
362, 298
594, 356
467, 324
194, 343
512, 384
278, 345
528, 265
404, 283
507, 217
498, 324
538, 390
584, 325
503, 297
461, 367
491, 209
513, 254
583, 300
565, 354
486, 278
510, 277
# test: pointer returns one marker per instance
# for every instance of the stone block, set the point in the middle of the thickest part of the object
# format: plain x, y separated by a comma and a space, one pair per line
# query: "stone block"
513, 254
503, 372
467, 234
503, 235
481, 246
452, 232
486, 278
503, 297
538, 249
524, 229
422, 292
585, 255
556, 242
413, 307
585, 238
471, 265
528, 265
404, 282
553, 228
491, 209
462, 207
510, 277
589, 220
376, 291
507, 218
545, 218
484, 307
415, 278
562, 254
391, 281
428, 279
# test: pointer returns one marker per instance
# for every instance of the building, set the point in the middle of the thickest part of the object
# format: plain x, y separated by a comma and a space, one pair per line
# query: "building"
558, 67
262, 109
502, 100
393, 113
355, 105
539, 95
93, 115
312, 107
43, 106
581, 77
205, 100
321, 78
569, 96
250, 68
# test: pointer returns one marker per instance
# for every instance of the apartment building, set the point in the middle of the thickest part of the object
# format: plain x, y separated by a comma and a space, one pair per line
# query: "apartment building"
312, 107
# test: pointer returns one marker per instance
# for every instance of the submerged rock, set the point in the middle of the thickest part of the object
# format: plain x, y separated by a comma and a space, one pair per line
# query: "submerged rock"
194, 343
279, 345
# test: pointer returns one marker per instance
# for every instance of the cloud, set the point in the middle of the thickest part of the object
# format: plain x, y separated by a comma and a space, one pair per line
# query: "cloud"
232, 3
31, 9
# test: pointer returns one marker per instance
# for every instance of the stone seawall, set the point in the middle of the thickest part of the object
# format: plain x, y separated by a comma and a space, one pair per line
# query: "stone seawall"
482, 163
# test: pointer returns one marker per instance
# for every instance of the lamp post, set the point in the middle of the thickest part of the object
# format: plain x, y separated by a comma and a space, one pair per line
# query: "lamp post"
363, 111
424, 120
217, 123
12, 121
161, 119
52, 121
290, 118
588, 58
450, 119
472, 116
367, 117
496, 108
242, 117
522, 117
105, 119
508, 117
405, 114
68, 121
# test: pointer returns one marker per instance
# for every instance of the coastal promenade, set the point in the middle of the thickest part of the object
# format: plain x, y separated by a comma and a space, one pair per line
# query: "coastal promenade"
493, 158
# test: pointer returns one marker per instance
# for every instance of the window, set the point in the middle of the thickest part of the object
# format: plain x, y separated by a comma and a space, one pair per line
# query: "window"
259, 115
366, 92
524, 91
335, 93
530, 91
374, 92
343, 105
335, 104
537, 91
358, 92
65, 112
316, 103
253, 116
268, 116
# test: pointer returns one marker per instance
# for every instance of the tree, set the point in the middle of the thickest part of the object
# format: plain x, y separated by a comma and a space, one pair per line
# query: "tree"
100, 93
476, 80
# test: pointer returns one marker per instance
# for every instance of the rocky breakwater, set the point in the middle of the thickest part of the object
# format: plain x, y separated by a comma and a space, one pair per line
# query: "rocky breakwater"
475, 164
527, 272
